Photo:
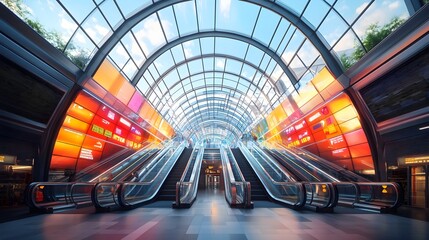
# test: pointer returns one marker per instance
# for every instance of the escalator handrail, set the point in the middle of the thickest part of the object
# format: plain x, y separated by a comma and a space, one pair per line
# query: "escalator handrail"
234, 161
270, 161
194, 151
292, 165
154, 163
331, 165
248, 155
31, 195
121, 196
105, 161
122, 162
299, 185
233, 182
194, 179
395, 186
300, 158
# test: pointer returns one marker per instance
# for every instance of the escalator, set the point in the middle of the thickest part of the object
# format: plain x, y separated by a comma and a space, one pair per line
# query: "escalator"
168, 188
301, 172
258, 191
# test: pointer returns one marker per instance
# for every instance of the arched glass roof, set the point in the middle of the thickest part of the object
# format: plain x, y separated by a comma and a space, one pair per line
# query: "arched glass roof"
214, 67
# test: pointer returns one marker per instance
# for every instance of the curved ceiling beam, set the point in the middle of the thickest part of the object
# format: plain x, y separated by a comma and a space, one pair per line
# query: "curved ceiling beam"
240, 124
164, 74
209, 100
117, 35
217, 85
204, 115
222, 114
210, 106
315, 38
223, 34
216, 124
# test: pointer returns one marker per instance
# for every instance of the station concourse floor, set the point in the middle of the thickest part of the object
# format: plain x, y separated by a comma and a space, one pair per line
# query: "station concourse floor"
210, 217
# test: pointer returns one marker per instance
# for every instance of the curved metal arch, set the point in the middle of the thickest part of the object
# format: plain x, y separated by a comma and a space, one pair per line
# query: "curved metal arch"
243, 119
315, 37
241, 122
223, 34
210, 98
236, 75
217, 124
221, 123
203, 115
163, 75
208, 102
187, 93
227, 113
120, 32
214, 136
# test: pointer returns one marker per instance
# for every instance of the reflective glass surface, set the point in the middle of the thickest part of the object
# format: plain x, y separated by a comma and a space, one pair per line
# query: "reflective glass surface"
213, 67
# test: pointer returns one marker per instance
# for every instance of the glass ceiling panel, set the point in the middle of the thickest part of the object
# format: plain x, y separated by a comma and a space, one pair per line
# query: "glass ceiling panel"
110, 9
230, 15
149, 34
84, 28
186, 17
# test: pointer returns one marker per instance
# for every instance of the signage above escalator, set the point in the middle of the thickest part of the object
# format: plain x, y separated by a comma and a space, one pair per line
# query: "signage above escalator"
413, 160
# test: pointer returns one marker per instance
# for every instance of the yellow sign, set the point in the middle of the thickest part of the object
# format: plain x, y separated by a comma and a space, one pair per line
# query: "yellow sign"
384, 188
413, 160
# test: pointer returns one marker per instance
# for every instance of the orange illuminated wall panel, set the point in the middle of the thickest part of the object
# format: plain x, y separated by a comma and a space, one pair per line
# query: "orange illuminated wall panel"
66, 135
345, 114
360, 150
305, 95
107, 76
66, 150
95, 88
350, 125
80, 112
363, 163
125, 92
355, 137
93, 143
90, 103
323, 79
75, 124
339, 103
61, 162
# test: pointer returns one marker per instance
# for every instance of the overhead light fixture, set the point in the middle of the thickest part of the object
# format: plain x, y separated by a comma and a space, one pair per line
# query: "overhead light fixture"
423, 128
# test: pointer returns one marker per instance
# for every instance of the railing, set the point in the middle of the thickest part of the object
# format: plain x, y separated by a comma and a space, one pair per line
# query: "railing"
377, 196
285, 191
312, 169
334, 171
94, 170
122, 169
51, 196
237, 190
321, 195
187, 187
133, 193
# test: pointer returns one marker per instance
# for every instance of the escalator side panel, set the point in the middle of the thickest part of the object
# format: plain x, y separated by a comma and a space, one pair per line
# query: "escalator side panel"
258, 191
168, 188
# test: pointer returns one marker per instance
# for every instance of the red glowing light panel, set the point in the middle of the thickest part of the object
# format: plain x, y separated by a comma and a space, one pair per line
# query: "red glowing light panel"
90, 103
108, 114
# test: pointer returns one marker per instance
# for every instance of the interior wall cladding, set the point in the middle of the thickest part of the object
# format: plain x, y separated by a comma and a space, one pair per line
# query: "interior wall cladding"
25, 94
403, 90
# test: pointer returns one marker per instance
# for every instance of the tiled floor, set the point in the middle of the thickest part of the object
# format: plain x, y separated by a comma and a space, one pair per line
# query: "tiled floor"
211, 218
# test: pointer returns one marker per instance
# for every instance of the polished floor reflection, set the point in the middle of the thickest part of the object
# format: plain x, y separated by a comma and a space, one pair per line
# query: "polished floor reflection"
211, 218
